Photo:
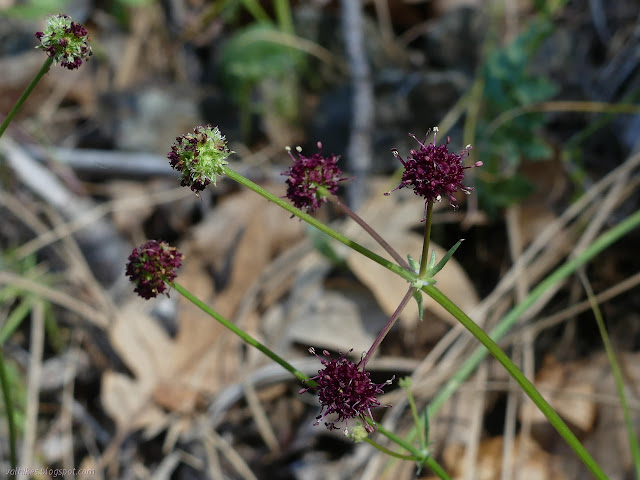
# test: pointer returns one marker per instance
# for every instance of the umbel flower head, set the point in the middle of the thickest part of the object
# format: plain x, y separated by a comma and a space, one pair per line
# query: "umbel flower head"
199, 156
344, 390
151, 265
307, 174
64, 40
433, 171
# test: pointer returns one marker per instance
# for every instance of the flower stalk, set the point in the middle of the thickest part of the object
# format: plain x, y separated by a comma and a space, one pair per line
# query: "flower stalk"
424, 261
43, 69
241, 333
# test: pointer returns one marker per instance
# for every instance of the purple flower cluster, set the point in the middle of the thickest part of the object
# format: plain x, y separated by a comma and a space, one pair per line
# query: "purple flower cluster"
65, 41
199, 156
433, 172
310, 178
345, 390
151, 265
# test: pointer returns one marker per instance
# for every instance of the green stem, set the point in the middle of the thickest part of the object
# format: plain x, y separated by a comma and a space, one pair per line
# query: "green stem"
617, 373
562, 272
255, 9
391, 453
407, 275
8, 408
44, 69
425, 245
283, 16
416, 417
519, 377
417, 454
241, 333
569, 267
424, 457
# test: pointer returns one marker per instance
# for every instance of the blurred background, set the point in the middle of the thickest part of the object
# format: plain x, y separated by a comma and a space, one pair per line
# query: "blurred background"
545, 91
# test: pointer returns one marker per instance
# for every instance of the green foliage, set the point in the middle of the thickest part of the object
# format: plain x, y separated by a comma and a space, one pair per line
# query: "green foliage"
256, 57
18, 395
509, 85
253, 54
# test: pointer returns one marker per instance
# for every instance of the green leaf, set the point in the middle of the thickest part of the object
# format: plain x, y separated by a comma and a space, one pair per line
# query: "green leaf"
432, 260
417, 294
415, 265
443, 261
252, 55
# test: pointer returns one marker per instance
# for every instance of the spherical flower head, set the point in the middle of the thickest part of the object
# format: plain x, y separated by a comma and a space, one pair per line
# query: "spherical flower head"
64, 40
199, 156
151, 265
434, 172
307, 175
345, 390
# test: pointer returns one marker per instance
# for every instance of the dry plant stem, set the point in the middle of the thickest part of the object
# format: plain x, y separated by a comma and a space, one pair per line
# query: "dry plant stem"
33, 383
385, 330
44, 69
8, 410
425, 245
359, 149
367, 228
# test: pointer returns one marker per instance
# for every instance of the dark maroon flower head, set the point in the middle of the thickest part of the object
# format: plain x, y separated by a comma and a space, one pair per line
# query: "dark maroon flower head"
434, 172
344, 390
307, 174
151, 265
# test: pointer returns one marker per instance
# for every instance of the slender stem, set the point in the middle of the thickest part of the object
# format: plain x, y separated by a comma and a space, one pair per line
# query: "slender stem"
283, 16
366, 227
241, 333
255, 9
436, 468
616, 370
562, 272
385, 330
416, 418
423, 455
417, 454
391, 453
407, 275
519, 377
44, 69
425, 245
598, 245
8, 410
